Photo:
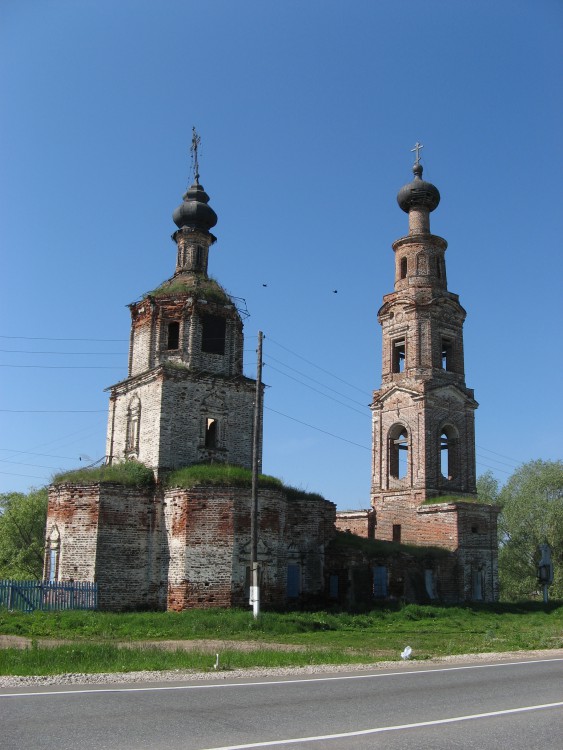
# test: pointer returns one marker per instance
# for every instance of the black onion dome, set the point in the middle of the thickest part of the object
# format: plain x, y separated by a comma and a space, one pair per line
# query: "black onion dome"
194, 211
418, 193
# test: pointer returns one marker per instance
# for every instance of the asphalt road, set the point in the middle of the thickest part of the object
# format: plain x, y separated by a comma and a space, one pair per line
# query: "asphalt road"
516, 705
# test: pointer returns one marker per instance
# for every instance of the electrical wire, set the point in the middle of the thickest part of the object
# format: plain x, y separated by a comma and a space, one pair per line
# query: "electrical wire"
316, 390
318, 429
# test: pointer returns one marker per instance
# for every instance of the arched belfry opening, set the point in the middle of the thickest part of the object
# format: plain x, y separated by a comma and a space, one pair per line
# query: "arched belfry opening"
449, 463
398, 447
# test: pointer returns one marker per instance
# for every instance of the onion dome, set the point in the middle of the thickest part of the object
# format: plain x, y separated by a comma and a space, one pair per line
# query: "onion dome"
418, 193
195, 212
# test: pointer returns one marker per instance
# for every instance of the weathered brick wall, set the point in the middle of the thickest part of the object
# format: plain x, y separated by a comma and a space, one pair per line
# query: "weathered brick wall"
359, 522
208, 533
74, 511
112, 535
174, 406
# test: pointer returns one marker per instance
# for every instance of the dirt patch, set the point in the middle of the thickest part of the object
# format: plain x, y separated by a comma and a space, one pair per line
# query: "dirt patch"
211, 646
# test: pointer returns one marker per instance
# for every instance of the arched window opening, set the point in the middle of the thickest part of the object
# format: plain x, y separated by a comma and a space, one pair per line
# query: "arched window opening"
403, 268
398, 355
173, 339
211, 430
448, 454
398, 452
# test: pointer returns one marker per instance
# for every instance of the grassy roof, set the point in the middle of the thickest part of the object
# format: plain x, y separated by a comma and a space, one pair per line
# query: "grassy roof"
129, 473
205, 288
225, 475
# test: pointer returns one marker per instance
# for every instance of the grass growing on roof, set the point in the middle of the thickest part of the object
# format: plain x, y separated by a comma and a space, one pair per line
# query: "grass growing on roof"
208, 289
129, 473
225, 475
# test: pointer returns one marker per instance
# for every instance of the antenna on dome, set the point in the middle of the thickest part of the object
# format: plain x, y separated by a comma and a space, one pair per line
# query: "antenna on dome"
196, 140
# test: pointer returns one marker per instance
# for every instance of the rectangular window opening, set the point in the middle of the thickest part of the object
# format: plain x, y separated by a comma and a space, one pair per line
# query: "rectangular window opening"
173, 339
447, 352
213, 334
398, 356
397, 533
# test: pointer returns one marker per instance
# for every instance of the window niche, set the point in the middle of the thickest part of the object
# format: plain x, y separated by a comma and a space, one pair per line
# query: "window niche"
133, 427
213, 334
398, 355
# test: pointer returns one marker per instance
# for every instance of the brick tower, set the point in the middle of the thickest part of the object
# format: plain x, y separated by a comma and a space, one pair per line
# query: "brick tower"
185, 399
423, 454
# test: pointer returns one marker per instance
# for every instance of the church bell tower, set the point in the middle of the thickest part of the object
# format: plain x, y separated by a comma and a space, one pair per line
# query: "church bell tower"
423, 414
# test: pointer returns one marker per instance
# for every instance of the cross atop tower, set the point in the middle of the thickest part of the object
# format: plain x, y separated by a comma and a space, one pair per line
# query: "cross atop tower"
196, 140
417, 147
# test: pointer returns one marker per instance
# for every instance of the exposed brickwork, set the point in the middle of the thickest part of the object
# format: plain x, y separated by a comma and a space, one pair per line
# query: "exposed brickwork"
360, 522
423, 414
187, 548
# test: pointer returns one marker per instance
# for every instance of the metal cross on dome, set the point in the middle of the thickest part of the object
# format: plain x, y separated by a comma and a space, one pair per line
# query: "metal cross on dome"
417, 147
196, 140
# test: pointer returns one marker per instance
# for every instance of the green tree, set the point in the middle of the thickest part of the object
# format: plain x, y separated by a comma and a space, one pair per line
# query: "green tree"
22, 531
532, 513
488, 490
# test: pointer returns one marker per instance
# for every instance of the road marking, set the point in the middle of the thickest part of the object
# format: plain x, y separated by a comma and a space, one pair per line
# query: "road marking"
368, 676
362, 732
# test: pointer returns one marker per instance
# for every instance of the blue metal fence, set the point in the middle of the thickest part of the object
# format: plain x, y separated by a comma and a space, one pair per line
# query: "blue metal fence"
46, 595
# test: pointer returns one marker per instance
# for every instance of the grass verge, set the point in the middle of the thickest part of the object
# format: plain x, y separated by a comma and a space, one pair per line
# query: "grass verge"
327, 637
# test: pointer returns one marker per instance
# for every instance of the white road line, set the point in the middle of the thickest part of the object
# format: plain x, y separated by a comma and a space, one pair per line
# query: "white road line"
368, 676
359, 733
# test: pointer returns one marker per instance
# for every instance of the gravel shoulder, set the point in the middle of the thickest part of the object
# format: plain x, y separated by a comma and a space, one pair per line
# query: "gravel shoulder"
177, 675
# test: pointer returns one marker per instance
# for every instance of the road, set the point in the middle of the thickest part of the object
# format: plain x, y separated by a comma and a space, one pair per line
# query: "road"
517, 704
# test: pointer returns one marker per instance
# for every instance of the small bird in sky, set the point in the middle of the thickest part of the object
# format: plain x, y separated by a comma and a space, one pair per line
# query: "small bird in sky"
264, 285
335, 291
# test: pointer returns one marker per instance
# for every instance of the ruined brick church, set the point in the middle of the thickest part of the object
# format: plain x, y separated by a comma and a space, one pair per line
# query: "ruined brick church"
186, 402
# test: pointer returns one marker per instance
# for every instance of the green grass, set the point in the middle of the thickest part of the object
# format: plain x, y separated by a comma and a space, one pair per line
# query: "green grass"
217, 475
225, 475
131, 473
208, 289
325, 637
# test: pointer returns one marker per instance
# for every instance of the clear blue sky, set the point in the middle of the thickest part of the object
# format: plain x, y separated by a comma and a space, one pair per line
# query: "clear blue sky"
307, 113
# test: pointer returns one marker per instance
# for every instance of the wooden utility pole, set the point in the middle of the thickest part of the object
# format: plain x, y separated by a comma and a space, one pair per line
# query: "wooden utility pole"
255, 585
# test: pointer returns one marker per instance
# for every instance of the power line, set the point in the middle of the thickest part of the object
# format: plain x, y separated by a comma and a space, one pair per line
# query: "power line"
317, 390
318, 429
53, 411
64, 354
328, 388
317, 366
41, 338
67, 367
